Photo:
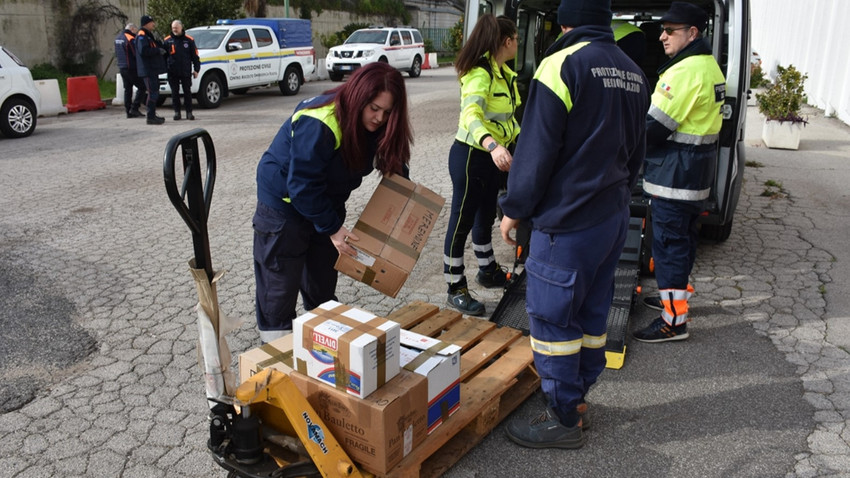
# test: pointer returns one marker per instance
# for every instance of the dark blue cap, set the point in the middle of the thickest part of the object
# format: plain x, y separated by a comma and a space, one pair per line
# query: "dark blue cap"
687, 14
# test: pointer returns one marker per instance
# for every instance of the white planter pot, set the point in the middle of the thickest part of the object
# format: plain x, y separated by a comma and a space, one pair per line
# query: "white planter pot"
781, 135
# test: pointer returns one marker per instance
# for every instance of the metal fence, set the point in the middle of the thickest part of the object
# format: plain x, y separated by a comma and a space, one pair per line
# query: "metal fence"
440, 38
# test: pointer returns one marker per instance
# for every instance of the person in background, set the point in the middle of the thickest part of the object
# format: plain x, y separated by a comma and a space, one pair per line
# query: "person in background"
682, 129
183, 65
581, 148
630, 39
150, 63
480, 155
318, 157
125, 55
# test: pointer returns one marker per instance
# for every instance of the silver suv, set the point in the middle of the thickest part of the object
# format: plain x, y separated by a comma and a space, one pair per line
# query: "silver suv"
19, 98
401, 47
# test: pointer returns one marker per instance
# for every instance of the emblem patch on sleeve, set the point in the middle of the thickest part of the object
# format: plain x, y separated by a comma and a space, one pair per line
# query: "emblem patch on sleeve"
720, 92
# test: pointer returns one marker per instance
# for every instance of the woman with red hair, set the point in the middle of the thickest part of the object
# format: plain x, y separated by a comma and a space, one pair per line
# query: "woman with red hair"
319, 156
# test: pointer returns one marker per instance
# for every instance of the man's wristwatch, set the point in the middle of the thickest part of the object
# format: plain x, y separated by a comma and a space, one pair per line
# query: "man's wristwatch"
492, 146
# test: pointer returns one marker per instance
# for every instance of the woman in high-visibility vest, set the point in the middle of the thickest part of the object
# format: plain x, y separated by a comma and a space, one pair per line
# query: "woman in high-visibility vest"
480, 155
319, 156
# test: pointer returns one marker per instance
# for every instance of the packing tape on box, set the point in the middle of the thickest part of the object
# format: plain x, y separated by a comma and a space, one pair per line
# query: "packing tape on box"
424, 355
386, 239
275, 356
341, 374
411, 193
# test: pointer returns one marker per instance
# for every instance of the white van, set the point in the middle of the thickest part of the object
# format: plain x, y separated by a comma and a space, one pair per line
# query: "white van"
729, 35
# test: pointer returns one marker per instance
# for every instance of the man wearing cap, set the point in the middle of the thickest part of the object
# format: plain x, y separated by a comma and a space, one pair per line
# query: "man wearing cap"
125, 55
150, 61
577, 159
682, 129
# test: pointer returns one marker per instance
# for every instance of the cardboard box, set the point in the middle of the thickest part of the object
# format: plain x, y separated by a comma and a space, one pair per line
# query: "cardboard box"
348, 348
276, 354
378, 431
439, 362
392, 231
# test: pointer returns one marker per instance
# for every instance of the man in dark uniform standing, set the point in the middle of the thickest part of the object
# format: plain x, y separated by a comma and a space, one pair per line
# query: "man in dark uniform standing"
582, 145
150, 62
125, 54
183, 65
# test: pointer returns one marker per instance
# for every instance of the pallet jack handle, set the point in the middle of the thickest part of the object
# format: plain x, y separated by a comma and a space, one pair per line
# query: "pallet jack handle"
193, 198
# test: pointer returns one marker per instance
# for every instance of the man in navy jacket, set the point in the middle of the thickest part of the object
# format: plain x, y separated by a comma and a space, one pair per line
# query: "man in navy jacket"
125, 55
150, 62
183, 65
578, 156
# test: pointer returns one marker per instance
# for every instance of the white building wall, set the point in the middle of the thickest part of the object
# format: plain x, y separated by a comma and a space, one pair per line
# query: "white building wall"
813, 36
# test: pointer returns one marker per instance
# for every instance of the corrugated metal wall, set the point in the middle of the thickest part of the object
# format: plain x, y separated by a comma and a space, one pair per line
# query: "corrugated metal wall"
814, 36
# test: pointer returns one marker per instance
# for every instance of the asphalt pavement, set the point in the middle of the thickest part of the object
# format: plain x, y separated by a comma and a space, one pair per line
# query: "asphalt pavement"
99, 371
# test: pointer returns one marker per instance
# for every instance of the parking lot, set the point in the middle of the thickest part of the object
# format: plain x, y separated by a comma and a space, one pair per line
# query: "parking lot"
98, 366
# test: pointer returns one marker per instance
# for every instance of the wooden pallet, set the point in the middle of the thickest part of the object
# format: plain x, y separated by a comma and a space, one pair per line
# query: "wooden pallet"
497, 374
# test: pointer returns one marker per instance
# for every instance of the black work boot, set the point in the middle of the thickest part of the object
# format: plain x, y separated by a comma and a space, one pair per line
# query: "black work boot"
460, 299
545, 431
492, 276
176, 116
156, 119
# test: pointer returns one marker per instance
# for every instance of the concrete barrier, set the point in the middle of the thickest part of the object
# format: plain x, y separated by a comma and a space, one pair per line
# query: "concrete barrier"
322, 69
119, 90
51, 99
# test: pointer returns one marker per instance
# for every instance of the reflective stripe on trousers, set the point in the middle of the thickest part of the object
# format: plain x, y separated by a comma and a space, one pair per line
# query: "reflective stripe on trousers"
675, 303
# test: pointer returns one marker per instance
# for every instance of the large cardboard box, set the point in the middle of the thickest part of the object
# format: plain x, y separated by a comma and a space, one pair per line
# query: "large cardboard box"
276, 354
378, 431
439, 362
392, 231
346, 347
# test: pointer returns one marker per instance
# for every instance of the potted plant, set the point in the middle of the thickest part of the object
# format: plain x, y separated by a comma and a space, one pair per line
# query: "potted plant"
781, 104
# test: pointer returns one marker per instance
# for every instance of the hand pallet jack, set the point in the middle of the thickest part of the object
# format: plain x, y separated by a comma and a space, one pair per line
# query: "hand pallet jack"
271, 398
266, 428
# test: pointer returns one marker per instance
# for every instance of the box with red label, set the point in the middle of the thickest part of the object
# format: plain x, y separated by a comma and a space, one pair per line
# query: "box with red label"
379, 431
349, 348
391, 231
440, 363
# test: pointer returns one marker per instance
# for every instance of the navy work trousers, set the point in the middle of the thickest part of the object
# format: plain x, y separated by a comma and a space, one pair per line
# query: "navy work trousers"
289, 257
152, 85
569, 292
475, 187
674, 241
130, 79
175, 83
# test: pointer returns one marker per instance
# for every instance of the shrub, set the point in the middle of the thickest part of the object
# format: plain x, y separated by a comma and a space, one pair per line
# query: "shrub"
757, 78
783, 100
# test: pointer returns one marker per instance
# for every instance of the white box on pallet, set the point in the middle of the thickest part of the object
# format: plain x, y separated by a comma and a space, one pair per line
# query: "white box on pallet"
346, 347
439, 362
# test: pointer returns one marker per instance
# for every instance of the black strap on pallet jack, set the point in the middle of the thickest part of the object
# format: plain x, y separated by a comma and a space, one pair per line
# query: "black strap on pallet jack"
193, 198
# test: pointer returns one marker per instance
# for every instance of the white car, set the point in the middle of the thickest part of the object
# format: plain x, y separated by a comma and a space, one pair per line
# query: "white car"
401, 47
19, 98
